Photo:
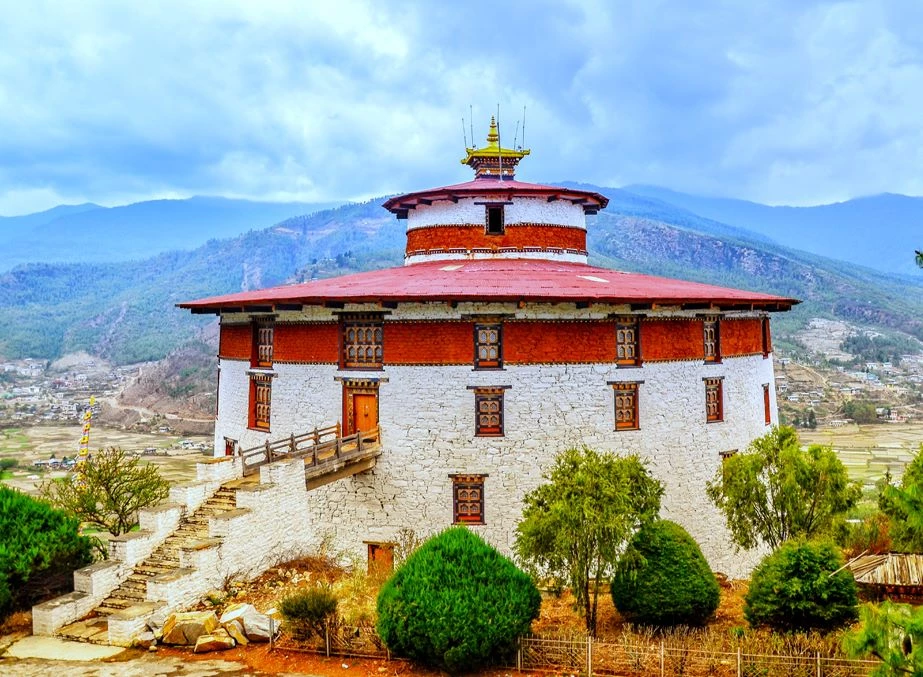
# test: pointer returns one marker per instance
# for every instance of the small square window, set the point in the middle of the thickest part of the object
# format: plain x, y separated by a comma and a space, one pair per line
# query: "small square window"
380, 558
230, 446
626, 406
714, 405
627, 351
260, 402
711, 338
468, 499
488, 346
488, 412
494, 217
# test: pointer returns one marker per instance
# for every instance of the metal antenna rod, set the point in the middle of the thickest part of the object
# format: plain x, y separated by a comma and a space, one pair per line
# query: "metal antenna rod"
464, 134
516, 136
499, 145
523, 126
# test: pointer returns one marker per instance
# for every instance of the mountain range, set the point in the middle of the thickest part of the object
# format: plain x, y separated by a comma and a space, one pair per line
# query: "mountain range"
124, 310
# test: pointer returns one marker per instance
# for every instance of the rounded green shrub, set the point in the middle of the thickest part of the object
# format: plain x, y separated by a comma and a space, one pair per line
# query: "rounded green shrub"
455, 603
795, 588
307, 611
40, 547
663, 579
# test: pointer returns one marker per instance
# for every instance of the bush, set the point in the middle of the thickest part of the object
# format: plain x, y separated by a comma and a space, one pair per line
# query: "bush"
40, 547
663, 578
793, 589
455, 602
306, 611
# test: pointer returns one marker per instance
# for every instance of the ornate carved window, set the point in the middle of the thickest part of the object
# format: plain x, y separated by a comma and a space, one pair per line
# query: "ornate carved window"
627, 348
362, 341
260, 401
626, 406
488, 412
714, 400
262, 344
712, 339
488, 339
767, 410
468, 499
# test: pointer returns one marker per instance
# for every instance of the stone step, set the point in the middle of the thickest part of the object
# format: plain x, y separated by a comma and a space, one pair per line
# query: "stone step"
127, 595
151, 570
116, 603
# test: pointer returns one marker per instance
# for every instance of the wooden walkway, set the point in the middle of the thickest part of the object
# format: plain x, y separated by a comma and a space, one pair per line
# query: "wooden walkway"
327, 454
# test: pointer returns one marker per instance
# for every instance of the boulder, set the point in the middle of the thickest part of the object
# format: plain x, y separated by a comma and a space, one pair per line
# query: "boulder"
257, 627
236, 630
234, 612
186, 628
219, 640
157, 620
145, 640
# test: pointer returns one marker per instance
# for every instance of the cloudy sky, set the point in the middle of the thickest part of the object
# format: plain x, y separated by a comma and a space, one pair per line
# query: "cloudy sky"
779, 101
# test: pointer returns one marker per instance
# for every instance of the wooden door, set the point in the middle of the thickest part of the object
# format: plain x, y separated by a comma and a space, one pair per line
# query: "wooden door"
365, 411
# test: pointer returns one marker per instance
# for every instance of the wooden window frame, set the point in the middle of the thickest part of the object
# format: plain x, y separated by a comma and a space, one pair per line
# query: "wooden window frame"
484, 395
711, 338
230, 446
765, 337
767, 408
260, 412
714, 385
364, 323
462, 502
495, 208
380, 566
626, 391
488, 364
725, 455
625, 324
263, 339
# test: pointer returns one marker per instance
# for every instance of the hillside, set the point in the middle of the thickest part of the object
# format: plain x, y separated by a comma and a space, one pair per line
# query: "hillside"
125, 311
92, 234
879, 231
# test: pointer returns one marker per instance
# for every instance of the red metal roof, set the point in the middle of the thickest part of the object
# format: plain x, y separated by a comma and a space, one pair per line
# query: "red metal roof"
496, 280
490, 186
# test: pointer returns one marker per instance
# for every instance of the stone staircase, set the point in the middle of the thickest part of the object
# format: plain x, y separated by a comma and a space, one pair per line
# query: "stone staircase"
192, 530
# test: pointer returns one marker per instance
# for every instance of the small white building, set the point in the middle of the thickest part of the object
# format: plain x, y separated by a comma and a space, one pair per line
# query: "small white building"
491, 350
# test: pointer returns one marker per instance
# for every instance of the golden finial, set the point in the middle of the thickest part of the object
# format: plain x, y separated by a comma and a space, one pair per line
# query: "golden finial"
493, 135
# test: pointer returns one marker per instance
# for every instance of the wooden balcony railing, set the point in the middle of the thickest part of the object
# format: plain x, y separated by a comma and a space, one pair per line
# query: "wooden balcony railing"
319, 448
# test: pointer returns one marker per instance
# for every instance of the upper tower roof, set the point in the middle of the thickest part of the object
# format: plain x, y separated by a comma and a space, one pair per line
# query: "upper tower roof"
493, 161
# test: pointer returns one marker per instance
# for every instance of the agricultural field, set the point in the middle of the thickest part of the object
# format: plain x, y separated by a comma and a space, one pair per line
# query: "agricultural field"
870, 451
29, 444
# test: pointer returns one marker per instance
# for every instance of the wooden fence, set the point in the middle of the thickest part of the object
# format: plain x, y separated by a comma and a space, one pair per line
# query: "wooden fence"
319, 448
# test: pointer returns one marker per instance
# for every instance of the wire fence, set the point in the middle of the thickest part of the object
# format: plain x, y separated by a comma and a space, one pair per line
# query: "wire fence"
587, 656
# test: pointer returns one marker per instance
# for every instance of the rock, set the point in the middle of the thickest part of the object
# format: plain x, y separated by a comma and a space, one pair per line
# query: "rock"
257, 627
219, 640
236, 611
156, 622
186, 628
236, 630
145, 640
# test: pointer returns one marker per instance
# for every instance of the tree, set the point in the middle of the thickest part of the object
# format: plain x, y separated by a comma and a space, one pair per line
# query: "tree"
860, 412
892, 633
919, 258
455, 602
114, 487
663, 579
39, 549
903, 505
801, 586
775, 491
577, 523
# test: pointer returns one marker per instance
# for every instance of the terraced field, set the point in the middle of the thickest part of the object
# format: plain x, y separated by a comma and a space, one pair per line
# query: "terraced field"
869, 451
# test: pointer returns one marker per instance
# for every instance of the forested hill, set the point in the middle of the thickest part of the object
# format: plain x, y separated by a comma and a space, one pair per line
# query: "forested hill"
125, 311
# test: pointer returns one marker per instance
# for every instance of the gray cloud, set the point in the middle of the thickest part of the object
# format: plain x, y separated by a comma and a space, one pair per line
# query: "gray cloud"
784, 102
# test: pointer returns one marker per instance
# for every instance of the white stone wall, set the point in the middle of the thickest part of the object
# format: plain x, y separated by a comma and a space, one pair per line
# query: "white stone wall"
567, 257
523, 210
427, 421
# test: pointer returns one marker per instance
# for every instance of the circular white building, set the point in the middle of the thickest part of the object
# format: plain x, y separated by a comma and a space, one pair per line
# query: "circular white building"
495, 347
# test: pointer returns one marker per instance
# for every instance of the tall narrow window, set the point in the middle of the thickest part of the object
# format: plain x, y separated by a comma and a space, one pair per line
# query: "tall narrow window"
468, 499
766, 336
488, 412
626, 406
767, 410
487, 346
494, 216
260, 401
362, 342
262, 344
711, 336
714, 404
627, 351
